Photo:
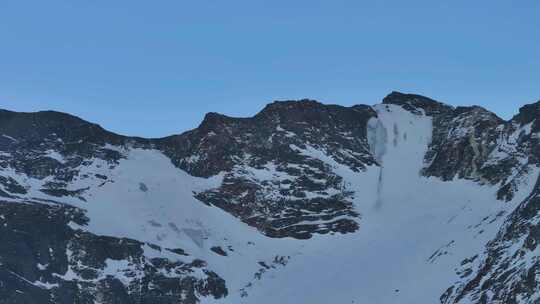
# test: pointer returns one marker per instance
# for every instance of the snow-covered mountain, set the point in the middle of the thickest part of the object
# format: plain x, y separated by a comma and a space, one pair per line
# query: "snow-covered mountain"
407, 201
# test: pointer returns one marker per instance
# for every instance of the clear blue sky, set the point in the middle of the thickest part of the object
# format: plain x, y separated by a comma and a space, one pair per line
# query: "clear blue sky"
153, 68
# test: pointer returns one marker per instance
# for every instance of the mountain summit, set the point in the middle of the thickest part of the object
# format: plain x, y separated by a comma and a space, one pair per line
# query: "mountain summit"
407, 201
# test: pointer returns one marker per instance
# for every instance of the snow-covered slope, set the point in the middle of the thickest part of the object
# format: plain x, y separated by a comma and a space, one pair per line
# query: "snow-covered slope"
414, 232
403, 202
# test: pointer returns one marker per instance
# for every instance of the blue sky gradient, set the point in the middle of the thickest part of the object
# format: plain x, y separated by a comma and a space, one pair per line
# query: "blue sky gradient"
154, 68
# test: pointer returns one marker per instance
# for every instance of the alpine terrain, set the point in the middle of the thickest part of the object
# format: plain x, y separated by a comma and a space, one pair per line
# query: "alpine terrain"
407, 201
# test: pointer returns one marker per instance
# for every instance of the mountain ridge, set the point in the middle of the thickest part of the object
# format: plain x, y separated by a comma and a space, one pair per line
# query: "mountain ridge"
238, 209
526, 112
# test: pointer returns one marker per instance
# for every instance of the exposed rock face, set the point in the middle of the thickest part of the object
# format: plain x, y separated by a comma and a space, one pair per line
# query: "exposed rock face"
307, 190
280, 172
417, 103
473, 143
463, 140
220, 143
300, 188
51, 144
508, 271
52, 149
44, 260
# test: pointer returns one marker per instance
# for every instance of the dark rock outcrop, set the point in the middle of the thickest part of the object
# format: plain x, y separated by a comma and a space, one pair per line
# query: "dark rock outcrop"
282, 173
510, 268
44, 260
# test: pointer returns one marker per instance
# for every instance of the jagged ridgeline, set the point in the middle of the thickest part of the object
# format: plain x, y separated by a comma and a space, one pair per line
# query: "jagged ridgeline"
407, 201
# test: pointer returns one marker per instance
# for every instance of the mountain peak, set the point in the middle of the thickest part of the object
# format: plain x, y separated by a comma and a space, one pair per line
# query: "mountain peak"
413, 102
214, 118
215, 213
528, 113
287, 105
36, 126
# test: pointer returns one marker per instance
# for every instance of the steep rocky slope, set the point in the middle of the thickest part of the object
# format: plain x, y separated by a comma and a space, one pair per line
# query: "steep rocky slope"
302, 196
